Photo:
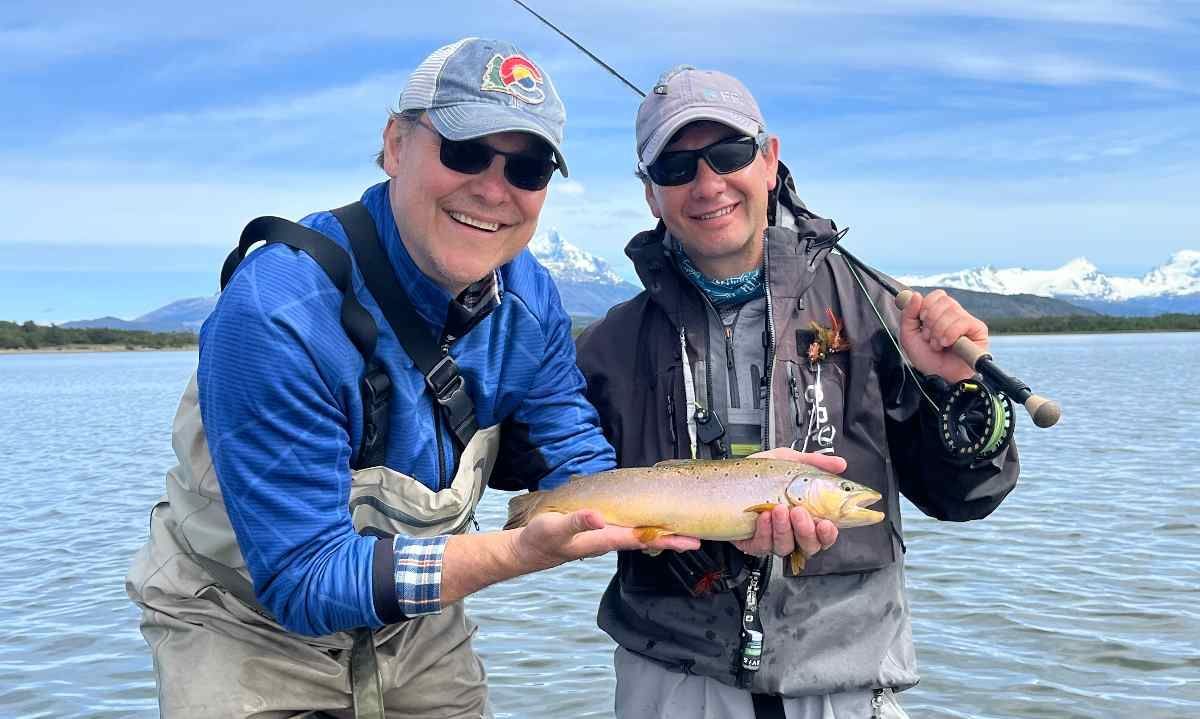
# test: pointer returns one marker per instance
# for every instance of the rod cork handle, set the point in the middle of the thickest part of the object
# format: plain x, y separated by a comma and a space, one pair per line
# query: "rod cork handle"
967, 350
1045, 412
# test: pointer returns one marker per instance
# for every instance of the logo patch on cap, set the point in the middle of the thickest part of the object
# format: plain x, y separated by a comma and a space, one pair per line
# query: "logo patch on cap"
516, 76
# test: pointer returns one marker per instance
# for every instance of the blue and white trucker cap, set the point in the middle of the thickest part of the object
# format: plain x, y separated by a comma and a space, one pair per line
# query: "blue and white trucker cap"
477, 87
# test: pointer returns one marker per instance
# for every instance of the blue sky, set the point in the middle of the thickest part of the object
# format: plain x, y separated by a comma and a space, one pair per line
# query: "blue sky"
137, 139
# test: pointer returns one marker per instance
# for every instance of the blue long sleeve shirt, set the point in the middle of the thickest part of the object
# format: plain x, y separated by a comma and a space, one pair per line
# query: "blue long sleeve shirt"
279, 397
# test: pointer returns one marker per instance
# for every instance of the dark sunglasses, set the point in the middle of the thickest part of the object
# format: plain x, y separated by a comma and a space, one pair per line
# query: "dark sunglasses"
723, 156
523, 170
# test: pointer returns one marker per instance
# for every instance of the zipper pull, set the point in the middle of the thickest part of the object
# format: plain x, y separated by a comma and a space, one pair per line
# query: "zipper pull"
729, 347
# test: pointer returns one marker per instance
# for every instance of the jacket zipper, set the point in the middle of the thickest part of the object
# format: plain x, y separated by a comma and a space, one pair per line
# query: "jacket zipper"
769, 370
717, 449
735, 399
794, 391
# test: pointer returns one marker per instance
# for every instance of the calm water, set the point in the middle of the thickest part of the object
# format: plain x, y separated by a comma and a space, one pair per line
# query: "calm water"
1079, 597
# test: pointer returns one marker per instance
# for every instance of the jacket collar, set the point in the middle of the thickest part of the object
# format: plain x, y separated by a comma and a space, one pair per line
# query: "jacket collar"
432, 303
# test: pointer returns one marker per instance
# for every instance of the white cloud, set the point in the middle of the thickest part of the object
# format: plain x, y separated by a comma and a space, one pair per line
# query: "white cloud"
568, 187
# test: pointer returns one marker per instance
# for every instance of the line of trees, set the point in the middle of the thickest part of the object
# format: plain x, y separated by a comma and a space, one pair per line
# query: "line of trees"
1094, 323
1052, 325
29, 335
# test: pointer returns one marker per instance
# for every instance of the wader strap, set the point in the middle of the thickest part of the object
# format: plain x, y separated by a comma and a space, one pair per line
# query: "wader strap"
441, 373
365, 684
767, 706
375, 387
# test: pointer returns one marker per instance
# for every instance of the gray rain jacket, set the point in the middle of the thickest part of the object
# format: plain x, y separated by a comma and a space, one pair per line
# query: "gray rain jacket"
843, 623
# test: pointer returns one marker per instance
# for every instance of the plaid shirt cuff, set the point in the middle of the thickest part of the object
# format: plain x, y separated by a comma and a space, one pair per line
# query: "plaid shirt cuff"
418, 573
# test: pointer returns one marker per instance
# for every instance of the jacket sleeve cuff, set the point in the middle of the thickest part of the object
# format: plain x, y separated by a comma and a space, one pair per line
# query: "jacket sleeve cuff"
417, 574
383, 582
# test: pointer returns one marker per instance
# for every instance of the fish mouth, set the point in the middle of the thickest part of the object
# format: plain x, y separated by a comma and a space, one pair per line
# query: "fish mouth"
854, 511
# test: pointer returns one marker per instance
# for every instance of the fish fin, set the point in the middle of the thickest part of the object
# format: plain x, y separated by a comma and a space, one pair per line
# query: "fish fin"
649, 534
764, 507
669, 462
652, 552
798, 560
521, 509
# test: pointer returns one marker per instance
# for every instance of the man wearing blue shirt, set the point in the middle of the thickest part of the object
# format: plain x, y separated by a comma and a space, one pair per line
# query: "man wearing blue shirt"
282, 576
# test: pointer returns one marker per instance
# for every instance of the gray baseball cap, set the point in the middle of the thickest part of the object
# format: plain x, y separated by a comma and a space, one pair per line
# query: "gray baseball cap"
476, 87
684, 95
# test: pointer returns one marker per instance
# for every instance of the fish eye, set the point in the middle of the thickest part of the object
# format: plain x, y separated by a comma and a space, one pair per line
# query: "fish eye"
847, 486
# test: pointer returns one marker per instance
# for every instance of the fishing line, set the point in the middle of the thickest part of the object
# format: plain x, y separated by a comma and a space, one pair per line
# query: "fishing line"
975, 420
900, 350
1045, 412
583, 49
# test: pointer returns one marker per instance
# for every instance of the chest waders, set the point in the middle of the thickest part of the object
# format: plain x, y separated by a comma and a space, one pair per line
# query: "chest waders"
217, 651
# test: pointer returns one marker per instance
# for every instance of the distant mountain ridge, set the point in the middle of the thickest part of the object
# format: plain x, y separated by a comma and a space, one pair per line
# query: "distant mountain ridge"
589, 287
1173, 286
989, 306
586, 283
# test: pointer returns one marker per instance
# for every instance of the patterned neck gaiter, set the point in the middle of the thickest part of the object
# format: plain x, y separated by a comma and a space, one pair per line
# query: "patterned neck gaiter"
735, 290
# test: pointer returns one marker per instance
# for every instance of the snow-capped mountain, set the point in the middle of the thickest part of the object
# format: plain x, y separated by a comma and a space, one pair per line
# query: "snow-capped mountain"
586, 283
567, 262
1171, 287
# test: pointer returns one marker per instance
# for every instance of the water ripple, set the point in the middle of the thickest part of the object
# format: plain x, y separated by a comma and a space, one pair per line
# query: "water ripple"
1079, 597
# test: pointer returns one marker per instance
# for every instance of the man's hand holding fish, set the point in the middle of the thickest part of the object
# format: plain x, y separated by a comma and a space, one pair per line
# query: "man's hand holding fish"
784, 529
551, 538
548, 539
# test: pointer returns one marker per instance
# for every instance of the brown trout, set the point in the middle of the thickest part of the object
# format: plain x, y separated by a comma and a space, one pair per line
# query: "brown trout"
708, 499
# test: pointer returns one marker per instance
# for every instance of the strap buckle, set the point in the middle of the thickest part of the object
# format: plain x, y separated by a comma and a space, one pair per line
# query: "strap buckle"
450, 390
376, 392
377, 388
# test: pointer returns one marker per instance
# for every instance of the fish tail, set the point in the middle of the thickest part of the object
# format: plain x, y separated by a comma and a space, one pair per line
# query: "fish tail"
521, 509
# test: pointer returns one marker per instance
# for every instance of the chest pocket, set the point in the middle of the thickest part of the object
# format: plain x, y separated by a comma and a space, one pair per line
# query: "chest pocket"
817, 402
834, 406
384, 502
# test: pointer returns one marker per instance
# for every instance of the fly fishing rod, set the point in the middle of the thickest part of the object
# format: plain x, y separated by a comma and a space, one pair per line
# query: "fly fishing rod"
971, 420
1044, 412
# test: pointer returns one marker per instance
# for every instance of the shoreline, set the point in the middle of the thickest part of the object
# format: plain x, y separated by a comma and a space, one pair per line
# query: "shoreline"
85, 348
81, 349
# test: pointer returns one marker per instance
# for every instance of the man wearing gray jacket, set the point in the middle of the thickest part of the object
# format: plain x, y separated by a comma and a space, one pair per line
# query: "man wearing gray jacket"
751, 335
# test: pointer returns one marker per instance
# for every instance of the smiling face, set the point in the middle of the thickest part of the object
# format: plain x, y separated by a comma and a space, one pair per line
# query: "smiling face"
719, 219
457, 227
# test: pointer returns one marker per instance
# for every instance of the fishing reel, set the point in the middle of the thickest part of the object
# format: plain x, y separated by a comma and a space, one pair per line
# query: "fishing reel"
976, 421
